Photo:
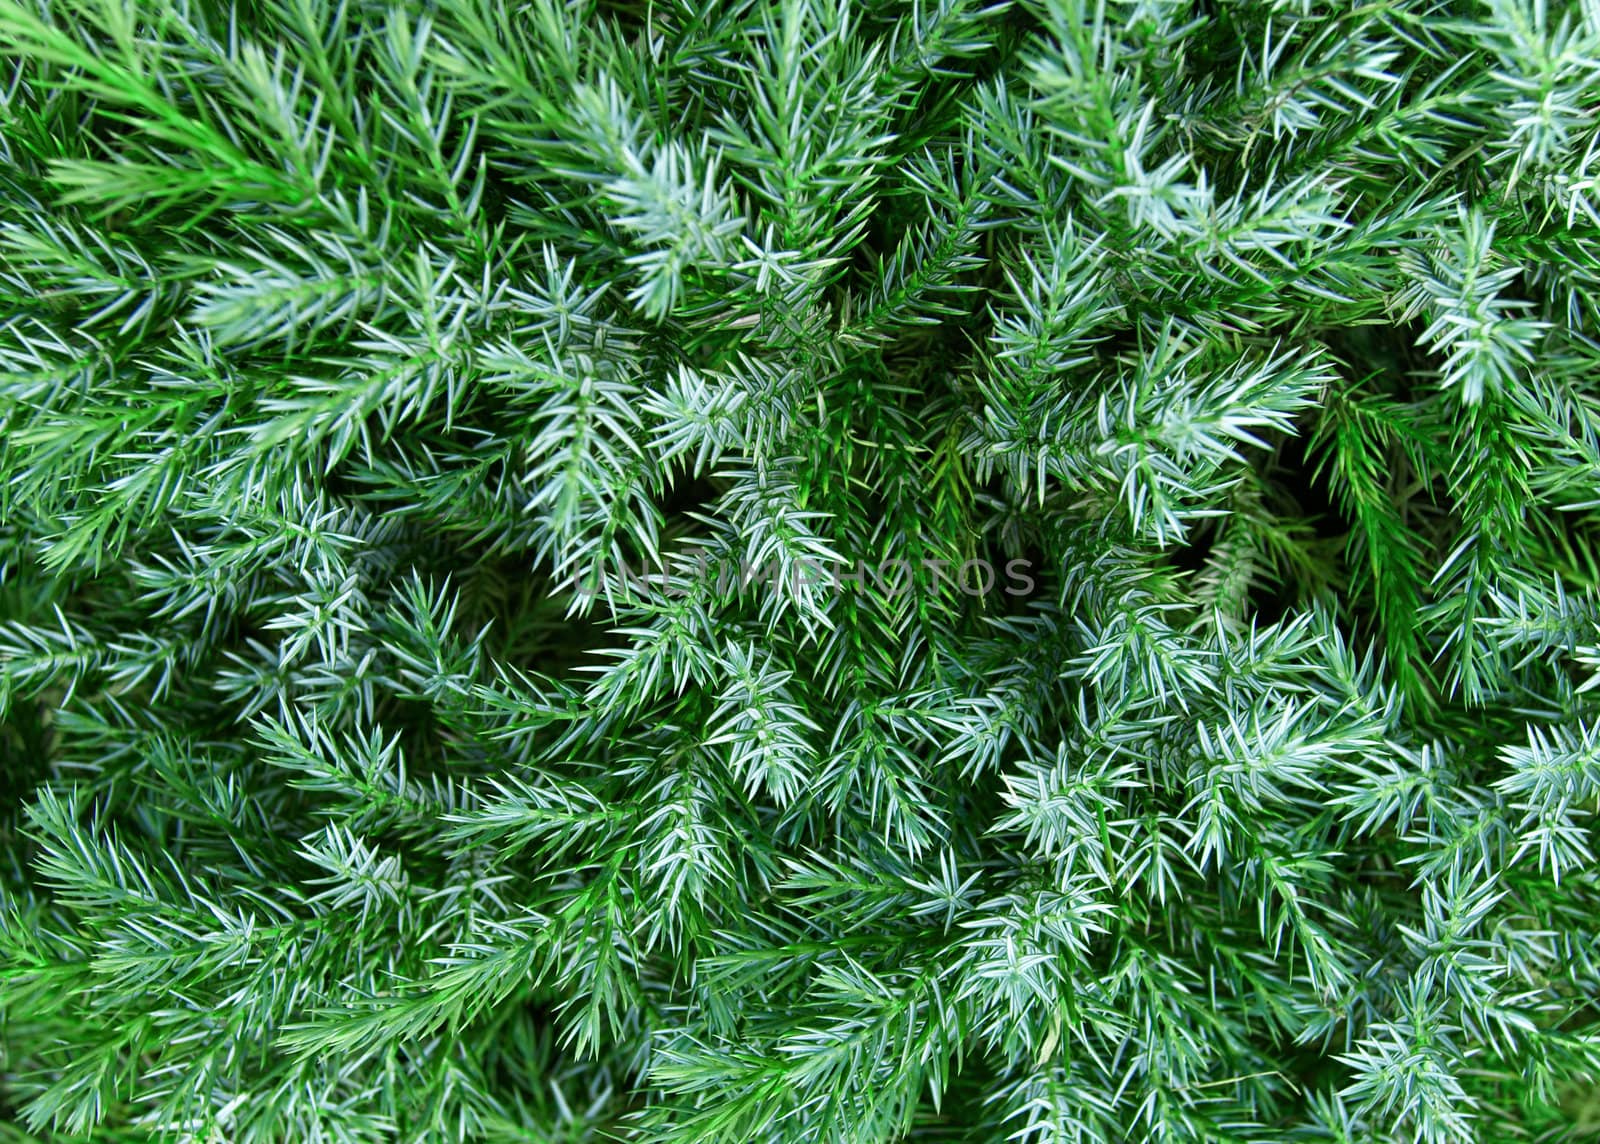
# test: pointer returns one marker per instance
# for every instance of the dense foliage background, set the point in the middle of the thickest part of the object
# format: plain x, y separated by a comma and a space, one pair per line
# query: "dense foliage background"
355, 356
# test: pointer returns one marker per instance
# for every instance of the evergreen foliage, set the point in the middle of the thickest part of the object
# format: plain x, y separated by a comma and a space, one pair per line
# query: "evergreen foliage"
490, 497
